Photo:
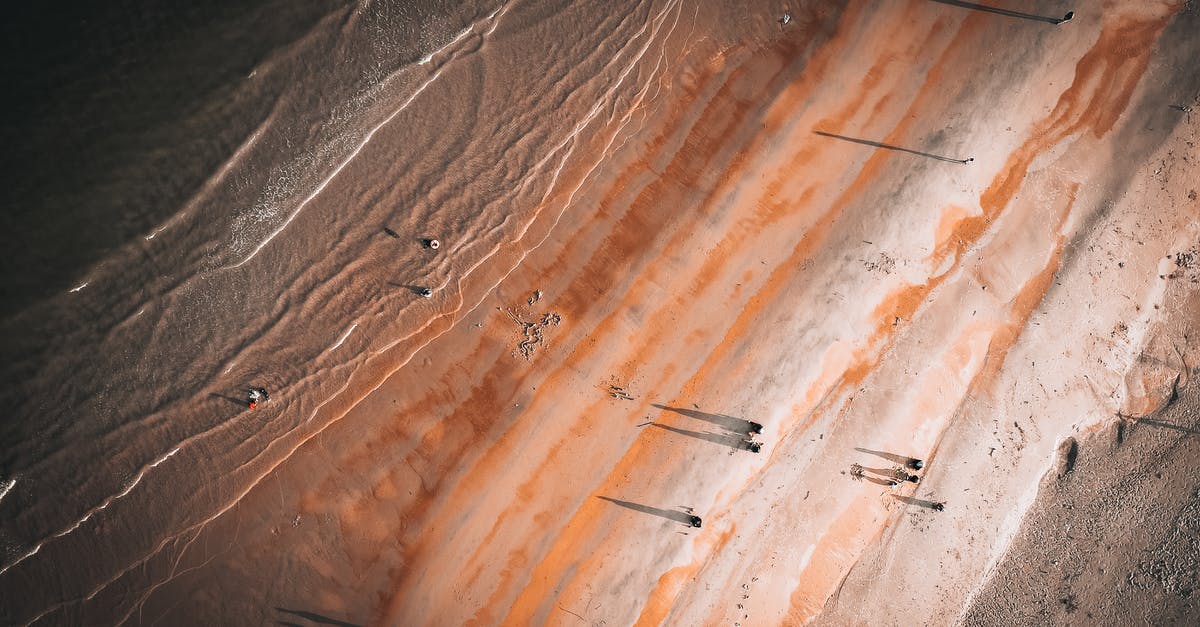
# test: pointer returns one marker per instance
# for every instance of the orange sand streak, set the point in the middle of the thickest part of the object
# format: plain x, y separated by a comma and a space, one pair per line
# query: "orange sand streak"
660, 602
1120, 80
774, 286
852, 531
658, 605
629, 237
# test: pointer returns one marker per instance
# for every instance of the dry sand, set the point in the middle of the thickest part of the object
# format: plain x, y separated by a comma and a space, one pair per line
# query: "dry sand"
702, 249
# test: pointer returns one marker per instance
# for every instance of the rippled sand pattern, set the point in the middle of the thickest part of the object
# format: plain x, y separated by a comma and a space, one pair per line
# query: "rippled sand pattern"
644, 242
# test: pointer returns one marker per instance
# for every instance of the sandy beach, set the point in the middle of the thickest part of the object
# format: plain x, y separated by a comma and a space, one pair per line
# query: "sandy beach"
881, 230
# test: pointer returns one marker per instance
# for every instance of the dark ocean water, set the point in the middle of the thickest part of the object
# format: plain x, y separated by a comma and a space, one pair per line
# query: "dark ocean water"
115, 115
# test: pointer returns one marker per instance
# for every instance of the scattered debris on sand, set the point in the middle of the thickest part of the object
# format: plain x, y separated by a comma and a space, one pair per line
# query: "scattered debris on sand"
1186, 267
533, 332
883, 263
619, 393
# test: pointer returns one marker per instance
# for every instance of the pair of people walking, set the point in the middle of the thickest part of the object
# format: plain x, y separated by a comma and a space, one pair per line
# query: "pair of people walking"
893, 476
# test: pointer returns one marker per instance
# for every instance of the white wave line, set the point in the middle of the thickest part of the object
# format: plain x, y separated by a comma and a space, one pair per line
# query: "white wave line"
237, 499
91, 512
463, 35
77, 288
219, 176
6, 488
583, 181
320, 188
343, 338
200, 525
457, 38
596, 108
361, 145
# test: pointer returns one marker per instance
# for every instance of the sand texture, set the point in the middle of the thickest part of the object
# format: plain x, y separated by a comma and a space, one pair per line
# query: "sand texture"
885, 229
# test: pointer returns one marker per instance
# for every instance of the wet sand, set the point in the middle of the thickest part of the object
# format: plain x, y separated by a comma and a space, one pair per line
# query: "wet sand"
671, 207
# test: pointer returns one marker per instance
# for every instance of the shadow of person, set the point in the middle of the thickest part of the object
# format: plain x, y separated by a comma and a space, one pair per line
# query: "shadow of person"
419, 290
934, 505
903, 460
316, 618
1166, 425
724, 439
729, 423
868, 142
236, 401
1017, 14
670, 514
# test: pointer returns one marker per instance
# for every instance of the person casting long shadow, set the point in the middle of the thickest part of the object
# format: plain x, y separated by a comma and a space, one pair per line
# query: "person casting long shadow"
1017, 14
908, 462
685, 518
867, 142
936, 506
736, 442
729, 423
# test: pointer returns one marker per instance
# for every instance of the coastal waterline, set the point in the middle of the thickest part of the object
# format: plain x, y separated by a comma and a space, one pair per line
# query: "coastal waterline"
217, 260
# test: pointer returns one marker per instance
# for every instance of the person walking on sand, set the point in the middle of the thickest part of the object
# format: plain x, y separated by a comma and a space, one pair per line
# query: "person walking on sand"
695, 520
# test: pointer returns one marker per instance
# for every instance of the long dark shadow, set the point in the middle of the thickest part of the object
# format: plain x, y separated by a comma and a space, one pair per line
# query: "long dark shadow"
999, 11
867, 142
316, 618
903, 460
919, 502
878, 481
669, 514
236, 401
415, 289
1167, 425
731, 423
724, 439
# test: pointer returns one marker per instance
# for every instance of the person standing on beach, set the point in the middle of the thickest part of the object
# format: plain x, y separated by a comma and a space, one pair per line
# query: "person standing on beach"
257, 394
